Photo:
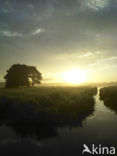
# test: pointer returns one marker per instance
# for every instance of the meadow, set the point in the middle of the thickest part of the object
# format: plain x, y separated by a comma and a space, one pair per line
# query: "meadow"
43, 109
109, 96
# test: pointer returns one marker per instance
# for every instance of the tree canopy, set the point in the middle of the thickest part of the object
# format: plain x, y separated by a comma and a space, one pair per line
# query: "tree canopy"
22, 75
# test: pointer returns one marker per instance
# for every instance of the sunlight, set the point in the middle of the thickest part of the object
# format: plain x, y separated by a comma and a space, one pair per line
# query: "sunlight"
75, 76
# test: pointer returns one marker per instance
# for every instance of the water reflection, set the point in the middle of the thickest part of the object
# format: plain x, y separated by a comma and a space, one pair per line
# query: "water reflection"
47, 123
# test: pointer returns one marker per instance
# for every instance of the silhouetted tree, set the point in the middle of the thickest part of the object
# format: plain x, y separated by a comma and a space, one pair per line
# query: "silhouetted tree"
22, 75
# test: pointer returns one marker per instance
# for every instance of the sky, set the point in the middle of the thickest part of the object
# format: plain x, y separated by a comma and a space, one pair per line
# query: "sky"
60, 35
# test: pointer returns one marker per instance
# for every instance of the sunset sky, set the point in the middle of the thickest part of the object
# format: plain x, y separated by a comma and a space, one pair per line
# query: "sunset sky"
58, 36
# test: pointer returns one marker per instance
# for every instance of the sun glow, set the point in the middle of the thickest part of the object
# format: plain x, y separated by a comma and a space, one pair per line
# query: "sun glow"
75, 76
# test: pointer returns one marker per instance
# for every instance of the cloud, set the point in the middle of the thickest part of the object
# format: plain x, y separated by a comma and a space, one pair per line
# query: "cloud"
108, 59
30, 6
5, 10
70, 25
86, 54
96, 4
38, 31
10, 34
104, 63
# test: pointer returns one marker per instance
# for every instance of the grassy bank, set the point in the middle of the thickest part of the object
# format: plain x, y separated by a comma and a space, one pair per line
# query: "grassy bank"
109, 96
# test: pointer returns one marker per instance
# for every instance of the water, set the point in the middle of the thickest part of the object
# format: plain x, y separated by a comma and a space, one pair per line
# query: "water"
98, 128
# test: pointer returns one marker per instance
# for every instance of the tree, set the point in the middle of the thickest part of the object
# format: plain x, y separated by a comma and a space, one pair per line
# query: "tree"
22, 75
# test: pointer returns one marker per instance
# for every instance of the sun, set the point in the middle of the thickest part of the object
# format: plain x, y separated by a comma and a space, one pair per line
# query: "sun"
75, 76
